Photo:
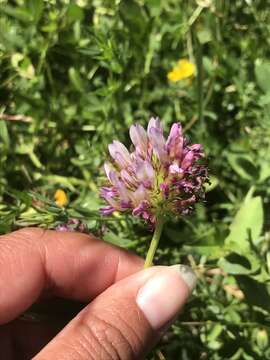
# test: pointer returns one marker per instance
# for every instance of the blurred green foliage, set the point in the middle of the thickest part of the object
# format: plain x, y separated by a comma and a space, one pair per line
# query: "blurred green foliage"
79, 73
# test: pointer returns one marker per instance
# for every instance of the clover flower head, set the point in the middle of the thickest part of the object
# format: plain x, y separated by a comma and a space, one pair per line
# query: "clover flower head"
159, 177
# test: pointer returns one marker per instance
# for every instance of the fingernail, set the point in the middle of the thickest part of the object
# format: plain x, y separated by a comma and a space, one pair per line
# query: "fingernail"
165, 293
187, 274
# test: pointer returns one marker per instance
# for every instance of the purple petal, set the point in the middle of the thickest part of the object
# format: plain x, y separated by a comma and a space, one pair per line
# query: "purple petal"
113, 177
147, 184
123, 192
188, 160
187, 186
106, 192
113, 203
128, 178
125, 204
175, 141
111, 174
142, 210
139, 195
165, 190
107, 210
62, 227
187, 202
139, 138
158, 143
121, 161
145, 215
175, 169
73, 222
154, 123
145, 172
119, 153
107, 169
196, 147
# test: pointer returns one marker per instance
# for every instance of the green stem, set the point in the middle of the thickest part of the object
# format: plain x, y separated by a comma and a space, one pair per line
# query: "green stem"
154, 242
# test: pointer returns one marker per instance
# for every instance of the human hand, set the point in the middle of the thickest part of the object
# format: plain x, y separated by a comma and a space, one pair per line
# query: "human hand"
127, 308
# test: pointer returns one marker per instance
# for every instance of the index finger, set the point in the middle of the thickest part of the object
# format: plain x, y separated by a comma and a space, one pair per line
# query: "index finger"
67, 264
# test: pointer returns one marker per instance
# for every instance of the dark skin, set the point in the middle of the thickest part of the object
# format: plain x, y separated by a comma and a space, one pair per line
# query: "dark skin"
44, 261
71, 296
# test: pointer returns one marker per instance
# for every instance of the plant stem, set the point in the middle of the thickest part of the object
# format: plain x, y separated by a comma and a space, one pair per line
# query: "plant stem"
154, 242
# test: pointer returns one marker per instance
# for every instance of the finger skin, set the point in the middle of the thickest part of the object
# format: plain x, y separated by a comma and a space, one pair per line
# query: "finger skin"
70, 265
113, 326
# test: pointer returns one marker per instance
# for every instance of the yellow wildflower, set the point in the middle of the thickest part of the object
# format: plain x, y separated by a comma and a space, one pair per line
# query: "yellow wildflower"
60, 197
183, 70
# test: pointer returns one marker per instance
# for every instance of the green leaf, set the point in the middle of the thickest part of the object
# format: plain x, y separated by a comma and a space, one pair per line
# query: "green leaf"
68, 182
212, 252
155, 7
133, 16
35, 160
243, 165
36, 8
262, 339
247, 223
240, 265
4, 133
21, 14
264, 99
256, 293
214, 332
76, 79
74, 13
204, 36
116, 239
262, 72
212, 185
264, 170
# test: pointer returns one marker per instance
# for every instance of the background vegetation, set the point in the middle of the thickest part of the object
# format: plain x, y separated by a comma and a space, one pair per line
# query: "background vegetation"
77, 74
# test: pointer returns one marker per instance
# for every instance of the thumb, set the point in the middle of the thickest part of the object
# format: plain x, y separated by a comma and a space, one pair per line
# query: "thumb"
127, 319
